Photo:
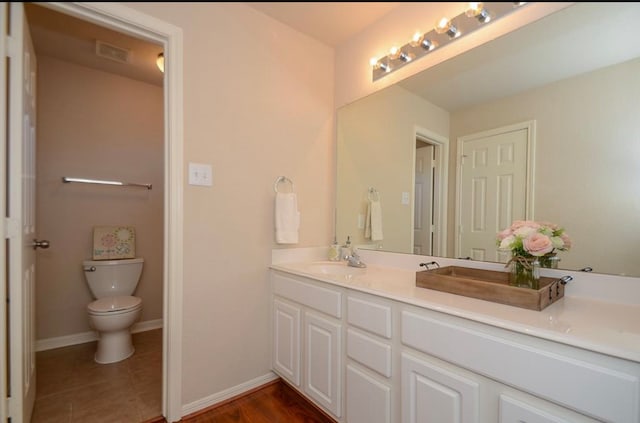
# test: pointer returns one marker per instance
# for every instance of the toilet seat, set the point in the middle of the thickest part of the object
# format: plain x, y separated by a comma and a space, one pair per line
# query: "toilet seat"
114, 305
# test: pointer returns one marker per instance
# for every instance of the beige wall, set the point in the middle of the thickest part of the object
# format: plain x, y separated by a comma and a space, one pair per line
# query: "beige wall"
376, 148
258, 103
586, 160
95, 125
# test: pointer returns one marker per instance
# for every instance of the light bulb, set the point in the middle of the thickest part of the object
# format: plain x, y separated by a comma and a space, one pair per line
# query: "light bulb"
477, 10
417, 39
445, 26
394, 53
473, 9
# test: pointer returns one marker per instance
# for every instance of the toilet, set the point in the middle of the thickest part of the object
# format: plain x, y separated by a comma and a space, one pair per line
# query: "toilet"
115, 309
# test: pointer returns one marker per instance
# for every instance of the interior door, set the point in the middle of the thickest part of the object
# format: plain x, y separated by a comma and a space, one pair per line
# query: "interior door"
423, 204
493, 190
20, 216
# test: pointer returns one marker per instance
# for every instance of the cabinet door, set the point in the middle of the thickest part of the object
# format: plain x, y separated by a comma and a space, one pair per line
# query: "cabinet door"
323, 362
431, 394
368, 400
286, 341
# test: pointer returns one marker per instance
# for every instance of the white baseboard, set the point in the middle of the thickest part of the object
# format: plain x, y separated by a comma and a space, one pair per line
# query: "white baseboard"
84, 337
214, 399
146, 325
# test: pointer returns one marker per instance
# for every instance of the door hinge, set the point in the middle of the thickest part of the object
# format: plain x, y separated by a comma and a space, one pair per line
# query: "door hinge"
11, 46
11, 227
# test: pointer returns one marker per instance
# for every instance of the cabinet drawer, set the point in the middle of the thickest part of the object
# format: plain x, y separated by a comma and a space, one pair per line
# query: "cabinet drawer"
322, 299
369, 352
370, 316
514, 411
611, 395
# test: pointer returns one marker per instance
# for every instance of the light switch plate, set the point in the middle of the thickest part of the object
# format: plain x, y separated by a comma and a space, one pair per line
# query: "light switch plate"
405, 198
200, 174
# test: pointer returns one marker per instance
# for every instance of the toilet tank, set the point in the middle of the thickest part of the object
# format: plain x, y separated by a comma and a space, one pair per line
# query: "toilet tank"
110, 278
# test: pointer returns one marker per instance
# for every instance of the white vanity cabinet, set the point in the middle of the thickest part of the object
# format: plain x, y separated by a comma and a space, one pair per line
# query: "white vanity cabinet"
563, 383
366, 356
307, 338
368, 379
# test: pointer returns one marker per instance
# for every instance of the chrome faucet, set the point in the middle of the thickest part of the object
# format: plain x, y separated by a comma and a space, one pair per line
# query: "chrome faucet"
353, 260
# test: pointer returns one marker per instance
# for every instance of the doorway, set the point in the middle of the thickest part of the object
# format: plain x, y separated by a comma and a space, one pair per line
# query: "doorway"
128, 21
100, 117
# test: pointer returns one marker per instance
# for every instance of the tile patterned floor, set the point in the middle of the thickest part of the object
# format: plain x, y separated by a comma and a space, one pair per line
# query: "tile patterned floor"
71, 387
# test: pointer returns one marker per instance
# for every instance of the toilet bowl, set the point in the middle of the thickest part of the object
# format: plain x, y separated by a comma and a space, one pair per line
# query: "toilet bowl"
115, 310
112, 318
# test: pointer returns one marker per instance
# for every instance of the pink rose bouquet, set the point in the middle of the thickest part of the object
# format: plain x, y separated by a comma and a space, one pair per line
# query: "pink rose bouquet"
528, 239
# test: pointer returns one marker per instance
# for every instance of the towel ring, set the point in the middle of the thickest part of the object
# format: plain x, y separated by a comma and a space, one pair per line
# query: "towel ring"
283, 179
373, 194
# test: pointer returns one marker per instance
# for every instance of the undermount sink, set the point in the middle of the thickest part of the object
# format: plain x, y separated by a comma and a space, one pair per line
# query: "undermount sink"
334, 268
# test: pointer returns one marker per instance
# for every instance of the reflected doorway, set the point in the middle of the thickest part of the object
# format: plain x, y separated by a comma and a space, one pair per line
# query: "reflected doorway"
430, 194
423, 224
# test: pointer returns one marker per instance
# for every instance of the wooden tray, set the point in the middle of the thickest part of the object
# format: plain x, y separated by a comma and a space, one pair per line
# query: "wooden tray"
490, 285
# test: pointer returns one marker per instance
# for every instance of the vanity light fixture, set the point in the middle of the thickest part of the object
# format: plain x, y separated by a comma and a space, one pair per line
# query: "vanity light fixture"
446, 30
160, 62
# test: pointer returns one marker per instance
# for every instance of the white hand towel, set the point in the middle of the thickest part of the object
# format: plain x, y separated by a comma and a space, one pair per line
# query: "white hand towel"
287, 218
375, 218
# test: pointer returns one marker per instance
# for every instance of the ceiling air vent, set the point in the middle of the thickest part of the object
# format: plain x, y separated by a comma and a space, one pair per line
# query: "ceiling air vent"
112, 52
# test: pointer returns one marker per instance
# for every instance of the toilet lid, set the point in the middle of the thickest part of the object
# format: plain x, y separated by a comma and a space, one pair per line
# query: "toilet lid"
111, 304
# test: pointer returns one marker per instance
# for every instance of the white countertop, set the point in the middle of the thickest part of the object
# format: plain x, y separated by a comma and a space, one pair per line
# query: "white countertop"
605, 327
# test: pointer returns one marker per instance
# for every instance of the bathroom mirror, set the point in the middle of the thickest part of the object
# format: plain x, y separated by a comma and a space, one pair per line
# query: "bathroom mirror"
570, 79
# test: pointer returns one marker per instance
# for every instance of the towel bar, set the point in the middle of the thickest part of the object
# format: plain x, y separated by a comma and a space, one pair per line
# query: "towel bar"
283, 179
100, 182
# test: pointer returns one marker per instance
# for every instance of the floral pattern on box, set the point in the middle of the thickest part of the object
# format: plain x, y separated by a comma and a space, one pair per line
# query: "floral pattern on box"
114, 242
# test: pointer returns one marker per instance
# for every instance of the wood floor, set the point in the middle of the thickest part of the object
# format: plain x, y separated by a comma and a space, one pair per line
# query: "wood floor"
273, 403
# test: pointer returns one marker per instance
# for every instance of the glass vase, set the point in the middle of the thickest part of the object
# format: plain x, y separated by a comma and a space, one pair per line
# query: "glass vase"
525, 272
549, 261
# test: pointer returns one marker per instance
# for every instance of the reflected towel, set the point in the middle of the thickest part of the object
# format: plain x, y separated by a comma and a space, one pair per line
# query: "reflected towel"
287, 218
373, 221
